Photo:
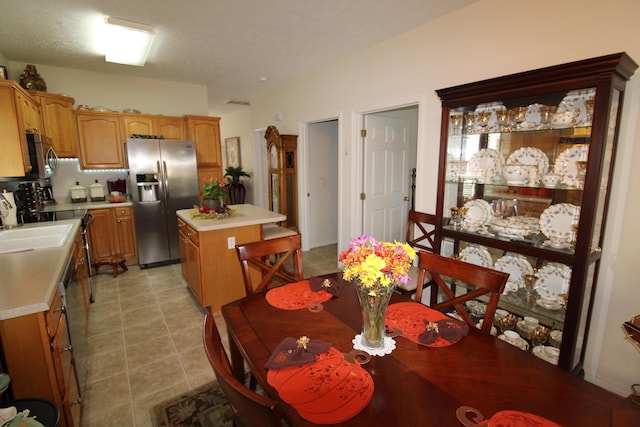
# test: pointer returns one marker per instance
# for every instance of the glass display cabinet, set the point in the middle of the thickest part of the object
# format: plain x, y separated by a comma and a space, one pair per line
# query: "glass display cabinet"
282, 173
526, 162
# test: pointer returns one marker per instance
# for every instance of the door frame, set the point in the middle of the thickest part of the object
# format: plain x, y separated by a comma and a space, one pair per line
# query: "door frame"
304, 179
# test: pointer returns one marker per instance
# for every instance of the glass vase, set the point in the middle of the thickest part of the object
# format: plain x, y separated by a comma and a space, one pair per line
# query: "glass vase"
374, 309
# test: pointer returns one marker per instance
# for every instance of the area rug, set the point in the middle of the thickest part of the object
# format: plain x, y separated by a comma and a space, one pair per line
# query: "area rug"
205, 406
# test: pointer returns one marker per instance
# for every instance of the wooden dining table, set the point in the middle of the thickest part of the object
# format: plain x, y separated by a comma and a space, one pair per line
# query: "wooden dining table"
419, 385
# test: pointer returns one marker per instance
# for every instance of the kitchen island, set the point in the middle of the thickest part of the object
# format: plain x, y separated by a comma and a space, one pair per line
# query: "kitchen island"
210, 265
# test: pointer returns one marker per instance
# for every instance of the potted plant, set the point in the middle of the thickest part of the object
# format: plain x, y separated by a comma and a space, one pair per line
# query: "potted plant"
235, 173
213, 195
236, 188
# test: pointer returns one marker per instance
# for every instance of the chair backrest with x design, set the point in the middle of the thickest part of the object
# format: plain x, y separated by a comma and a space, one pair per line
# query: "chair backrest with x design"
250, 409
485, 281
278, 260
421, 231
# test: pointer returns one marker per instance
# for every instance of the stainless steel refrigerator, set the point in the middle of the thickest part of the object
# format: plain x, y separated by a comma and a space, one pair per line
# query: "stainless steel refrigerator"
162, 179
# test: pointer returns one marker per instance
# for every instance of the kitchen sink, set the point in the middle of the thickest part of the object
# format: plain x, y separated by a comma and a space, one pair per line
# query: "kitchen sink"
30, 238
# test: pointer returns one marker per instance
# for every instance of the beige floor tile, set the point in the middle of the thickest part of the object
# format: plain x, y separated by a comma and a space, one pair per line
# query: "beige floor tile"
119, 416
108, 393
106, 364
105, 342
190, 318
145, 352
144, 332
158, 375
145, 315
186, 339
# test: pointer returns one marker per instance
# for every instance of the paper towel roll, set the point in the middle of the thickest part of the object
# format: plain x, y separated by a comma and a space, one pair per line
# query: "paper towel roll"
11, 218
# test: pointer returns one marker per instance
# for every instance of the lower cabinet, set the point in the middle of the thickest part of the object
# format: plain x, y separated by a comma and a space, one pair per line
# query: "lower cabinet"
190, 255
112, 236
38, 351
210, 267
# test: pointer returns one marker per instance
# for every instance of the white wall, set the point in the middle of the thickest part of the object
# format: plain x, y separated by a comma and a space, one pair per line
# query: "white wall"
487, 39
118, 92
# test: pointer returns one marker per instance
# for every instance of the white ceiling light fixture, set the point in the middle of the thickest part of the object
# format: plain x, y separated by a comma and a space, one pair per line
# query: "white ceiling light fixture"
127, 42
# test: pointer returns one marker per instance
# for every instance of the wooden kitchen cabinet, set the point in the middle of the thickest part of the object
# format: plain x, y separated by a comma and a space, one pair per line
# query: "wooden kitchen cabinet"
58, 122
190, 257
205, 132
17, 111
100, 140
112, 237
41, 357
166, 126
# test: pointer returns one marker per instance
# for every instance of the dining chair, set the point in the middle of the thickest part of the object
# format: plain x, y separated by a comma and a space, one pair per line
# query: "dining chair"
278, 260
420, 235
483, 280
250, 409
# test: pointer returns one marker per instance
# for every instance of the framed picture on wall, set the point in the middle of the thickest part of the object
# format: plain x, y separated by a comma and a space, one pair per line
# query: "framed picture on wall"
3, 73
232, 146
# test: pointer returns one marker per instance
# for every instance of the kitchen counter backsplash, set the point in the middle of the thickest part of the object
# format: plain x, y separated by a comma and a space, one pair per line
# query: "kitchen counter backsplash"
69, 172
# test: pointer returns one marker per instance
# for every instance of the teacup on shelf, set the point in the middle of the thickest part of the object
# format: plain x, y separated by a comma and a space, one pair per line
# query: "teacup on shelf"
551, 180
515, 174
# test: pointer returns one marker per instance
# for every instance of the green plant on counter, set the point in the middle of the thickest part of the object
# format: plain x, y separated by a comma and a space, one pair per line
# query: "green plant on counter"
214, 190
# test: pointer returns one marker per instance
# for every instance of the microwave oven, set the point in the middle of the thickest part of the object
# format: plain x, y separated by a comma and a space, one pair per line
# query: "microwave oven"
44, 159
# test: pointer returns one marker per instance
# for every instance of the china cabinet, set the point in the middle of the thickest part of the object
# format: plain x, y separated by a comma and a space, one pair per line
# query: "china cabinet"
282, 175
526, 162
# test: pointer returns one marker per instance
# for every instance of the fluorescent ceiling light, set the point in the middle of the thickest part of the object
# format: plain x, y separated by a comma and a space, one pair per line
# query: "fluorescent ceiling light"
127, 42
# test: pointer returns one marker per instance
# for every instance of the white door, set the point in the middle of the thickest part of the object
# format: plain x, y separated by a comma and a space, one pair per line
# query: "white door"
389, 156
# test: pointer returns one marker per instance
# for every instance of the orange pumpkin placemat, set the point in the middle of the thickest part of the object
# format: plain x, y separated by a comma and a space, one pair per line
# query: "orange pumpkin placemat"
413, 320
328, 391
295, 296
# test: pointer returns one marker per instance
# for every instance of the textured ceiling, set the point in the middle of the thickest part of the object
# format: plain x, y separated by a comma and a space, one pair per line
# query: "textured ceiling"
226, 45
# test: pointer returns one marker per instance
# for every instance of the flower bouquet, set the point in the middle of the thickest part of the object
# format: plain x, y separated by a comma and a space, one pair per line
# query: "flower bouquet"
375, 268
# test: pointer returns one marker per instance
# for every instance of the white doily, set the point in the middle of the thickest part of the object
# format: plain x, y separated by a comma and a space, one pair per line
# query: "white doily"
389, 346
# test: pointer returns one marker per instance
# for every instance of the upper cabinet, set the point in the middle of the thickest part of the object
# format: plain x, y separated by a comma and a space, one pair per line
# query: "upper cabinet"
18, 114
526, 163
205, 132
165, 126
58, 122
101, 140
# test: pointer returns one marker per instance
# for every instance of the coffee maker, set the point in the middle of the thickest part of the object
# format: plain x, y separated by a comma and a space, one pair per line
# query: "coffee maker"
46, 189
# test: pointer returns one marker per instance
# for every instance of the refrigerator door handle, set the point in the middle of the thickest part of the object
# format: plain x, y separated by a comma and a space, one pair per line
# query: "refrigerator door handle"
163, 199
165, 175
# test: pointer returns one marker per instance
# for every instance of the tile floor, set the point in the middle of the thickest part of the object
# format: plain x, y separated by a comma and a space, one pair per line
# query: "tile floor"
145, 343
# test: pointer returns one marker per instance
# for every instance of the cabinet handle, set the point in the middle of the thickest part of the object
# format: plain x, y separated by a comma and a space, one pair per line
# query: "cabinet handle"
119, 221
68, 348
597, 249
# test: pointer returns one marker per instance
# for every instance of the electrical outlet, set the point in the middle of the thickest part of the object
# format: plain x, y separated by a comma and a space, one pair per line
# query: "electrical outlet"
231, 242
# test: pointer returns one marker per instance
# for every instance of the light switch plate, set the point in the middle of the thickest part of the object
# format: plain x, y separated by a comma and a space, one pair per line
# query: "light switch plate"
231, 242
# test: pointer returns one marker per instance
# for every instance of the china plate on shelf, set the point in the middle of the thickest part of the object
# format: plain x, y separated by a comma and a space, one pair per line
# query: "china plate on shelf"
478, 212
485, 164
530, 156
546, 353
553, 281
476, 255
556, 222
566, 164
516, 266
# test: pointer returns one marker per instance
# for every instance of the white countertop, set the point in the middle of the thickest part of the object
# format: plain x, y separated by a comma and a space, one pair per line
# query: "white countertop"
28, 280
241, 215
68, 206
